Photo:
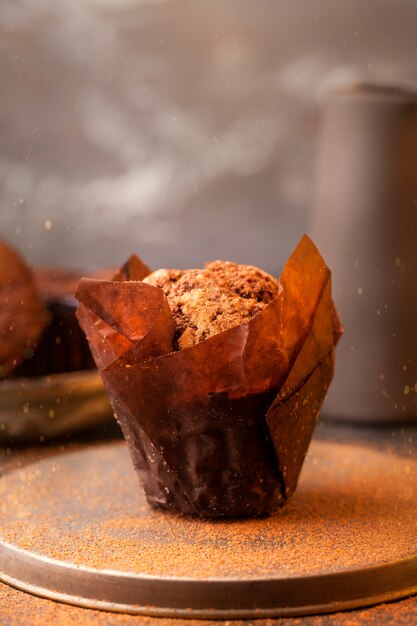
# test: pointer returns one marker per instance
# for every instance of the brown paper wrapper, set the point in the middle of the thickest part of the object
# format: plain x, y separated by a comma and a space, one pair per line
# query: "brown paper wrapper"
220, 428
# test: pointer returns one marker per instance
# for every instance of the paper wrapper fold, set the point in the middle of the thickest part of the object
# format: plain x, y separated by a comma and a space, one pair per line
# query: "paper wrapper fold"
221, 428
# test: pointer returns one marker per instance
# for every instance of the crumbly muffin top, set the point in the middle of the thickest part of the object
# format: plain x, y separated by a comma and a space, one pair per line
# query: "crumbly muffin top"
207, 301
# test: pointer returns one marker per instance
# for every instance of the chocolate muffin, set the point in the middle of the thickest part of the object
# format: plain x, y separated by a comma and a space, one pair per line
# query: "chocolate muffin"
23, 316
62, 346
38, 305
205, 302
221, 428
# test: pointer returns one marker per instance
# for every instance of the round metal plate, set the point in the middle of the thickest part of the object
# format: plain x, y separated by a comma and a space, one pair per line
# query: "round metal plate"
76, 528
45, 407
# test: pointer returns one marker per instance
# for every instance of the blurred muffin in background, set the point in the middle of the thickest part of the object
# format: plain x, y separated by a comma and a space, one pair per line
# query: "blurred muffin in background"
39, 333
23, 316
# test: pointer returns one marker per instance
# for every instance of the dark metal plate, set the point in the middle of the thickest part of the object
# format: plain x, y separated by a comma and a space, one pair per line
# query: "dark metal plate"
77, 529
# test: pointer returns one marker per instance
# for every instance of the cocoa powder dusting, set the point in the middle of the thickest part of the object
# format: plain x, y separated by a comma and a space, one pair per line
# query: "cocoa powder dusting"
349, 510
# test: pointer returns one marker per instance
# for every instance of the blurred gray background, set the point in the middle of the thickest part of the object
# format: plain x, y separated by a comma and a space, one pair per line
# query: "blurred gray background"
182, 130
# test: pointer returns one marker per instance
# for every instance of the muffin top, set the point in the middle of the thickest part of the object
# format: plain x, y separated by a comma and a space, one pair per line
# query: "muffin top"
205, 302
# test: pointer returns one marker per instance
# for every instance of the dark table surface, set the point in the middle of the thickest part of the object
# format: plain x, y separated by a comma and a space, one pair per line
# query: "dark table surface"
21, 609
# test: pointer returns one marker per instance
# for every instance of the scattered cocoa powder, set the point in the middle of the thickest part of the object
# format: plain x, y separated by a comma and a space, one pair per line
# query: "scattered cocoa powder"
21, 609
352, 509
362, 490
25, 610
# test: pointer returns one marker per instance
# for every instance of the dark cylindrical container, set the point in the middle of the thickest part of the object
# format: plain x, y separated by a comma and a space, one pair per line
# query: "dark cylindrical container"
365, 222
